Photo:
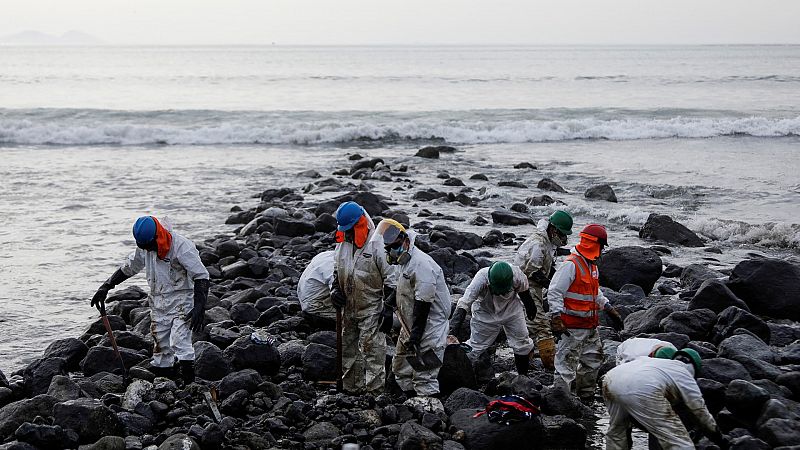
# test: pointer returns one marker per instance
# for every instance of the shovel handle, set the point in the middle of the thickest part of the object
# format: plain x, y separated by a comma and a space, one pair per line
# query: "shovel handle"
338, 349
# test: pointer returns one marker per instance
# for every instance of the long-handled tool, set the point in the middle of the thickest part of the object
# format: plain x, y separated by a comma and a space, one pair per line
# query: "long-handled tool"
107, 324
427, 360
338, 349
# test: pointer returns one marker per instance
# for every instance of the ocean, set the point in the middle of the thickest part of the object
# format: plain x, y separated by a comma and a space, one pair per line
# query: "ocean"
93, 137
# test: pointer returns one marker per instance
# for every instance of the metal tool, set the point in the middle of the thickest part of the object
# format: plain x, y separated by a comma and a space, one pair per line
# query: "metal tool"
107, 324
427, 360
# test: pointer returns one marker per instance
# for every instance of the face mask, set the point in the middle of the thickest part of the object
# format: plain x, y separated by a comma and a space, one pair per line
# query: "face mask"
397, 254
558, 239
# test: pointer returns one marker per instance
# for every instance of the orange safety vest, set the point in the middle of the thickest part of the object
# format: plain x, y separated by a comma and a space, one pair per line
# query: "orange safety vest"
580, 308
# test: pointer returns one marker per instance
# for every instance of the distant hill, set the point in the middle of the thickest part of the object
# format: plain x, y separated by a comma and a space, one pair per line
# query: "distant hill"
32, 37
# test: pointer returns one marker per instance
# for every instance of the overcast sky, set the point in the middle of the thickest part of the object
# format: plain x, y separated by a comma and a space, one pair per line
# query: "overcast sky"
411, 21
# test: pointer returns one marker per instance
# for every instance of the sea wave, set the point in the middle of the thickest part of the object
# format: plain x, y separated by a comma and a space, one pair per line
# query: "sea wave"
209, 128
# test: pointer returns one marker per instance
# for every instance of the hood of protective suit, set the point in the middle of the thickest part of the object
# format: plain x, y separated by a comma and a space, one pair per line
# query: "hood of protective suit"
363, 229
542, 224
163, 237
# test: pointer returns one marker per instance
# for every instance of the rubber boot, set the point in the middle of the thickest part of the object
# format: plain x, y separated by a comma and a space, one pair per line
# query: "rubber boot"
547, 351
187, 372
410, 393
163, 372
523, 364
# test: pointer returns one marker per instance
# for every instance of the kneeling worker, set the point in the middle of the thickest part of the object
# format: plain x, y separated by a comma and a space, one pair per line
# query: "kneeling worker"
178, 292
423, 305
633, 348
497, 295
314, 291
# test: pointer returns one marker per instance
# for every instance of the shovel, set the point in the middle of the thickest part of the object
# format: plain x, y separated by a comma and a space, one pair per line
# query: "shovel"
113, 341
427, 360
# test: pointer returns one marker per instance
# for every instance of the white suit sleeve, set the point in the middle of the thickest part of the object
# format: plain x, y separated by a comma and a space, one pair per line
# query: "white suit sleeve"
425, 287
478, 284
189, 258
520, 280
134, 263
530, 258
693, 399
561, 281
601, 299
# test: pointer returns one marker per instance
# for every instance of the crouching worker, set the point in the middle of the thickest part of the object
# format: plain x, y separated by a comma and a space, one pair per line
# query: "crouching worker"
633, 348
314, 292
423, 305
178, 283
645, 390
497, 295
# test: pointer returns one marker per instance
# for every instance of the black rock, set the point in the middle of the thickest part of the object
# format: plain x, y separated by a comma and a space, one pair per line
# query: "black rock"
479, 176
780, 432
228, 248
212, 437
693, 275
321, 433
416, 437
540, 200
453, 263
135, 424
601, 192
696, 324
455, 239
453, 182
507, 217
368, 163
557, 401
71, 349
241, 217
524, 165
233, 405
373, 204
465, 398
3, 380
493, 238
780, 334
210, 364
672, 271
319, 363
292, 227
325, 223
662, 228
39, 373
63, 388
327, 338
745, 399
713, 294
90, 418
41, 436
549, 185
182, 442
514, 184
429, 194
104, 359
246, 354
713, 394
456, 371
769, 286
679, 340
790, 380
630, 265
520, 208
259, 266
16, 413
247, 379
428, 152
734, 318
479, 433
646, 321
97, 327
242, 313
723, 370
563, 432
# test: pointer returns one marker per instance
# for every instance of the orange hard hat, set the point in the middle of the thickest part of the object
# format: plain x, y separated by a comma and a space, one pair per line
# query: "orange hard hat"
595, 232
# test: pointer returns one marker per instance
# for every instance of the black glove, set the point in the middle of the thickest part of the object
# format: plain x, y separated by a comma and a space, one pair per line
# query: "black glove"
198, 313
338, 297
719, 439
421, 311
616, 320
387, 313
99, 298
539, 278
457, 321
530, 305
560, 251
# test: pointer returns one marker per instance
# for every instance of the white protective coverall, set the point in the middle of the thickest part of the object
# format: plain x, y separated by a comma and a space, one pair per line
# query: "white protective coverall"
579, 354
314, 287
362, 273
645, 389
633, 348
171, 299
491, 313
421, 279
536, 254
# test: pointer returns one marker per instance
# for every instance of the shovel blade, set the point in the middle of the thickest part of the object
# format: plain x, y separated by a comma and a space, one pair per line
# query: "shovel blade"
426, 361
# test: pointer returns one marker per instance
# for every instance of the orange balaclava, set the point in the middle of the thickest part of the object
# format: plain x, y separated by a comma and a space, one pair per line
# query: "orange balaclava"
361, 231
589, 247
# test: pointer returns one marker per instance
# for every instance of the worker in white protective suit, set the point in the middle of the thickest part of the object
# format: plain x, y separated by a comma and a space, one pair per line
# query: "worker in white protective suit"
496, 297
314, 291
575, 303
633, 348
423, 306
179, 285
645, 390
362, 278
536, 259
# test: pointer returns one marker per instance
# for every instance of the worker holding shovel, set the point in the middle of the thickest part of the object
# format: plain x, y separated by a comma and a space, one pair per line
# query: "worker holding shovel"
423, 305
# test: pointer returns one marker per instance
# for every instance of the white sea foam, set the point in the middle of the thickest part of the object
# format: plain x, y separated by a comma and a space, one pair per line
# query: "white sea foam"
296, 130
775, 235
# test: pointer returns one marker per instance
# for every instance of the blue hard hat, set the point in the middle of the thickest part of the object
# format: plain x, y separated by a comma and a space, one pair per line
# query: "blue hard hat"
144, 230
348, 214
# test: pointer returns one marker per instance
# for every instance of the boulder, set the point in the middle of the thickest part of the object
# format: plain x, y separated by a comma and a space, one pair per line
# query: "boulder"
321, 433
662, 228
776, 409
243, 353
293, 227
630, 265
97, 327
292, 353
601, 192
319, 363
646, 321
524, 165
745, 399
42, 436
130, 340
456, 371
63, 388
179, 441
514, 184
769, 287
73, 350
506, 217
563, 432
228, 248
548, 184
455, 239
780, 432
696, 324
325, 223
428, 152
247, 379
16, 413
540, 200
453, 182
479, 176
734, 318
416, 437
465, 398
713, 294
453, 263
557, 401
677, 339
723, 370
210, 364
242, 313
40, 373
781, 334
790, 380
234, 404
88, 417
713, 394
693, 275
135, 424
365, 163
479, 433
104, 359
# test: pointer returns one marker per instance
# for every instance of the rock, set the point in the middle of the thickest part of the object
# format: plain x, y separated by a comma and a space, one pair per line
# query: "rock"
557, 401
791, 380
453, 182
135, 393
520, 208
780, 432
179, 442
465, 398
506, 217
63, 388
321, 433
135, 424
246, 354
259, 266
211, 437
104, 359
677, 339
319, 363
416, 437
369, 201
734, 318
234, 404
425, 405
769, 287
236, 270
242, 313
453, 263
71, 349
324, 337
723, 370
479, 176
309, 174
713, 394
540, 200
428, 152
293, 228
780, 334
601, 192
479, 433
228, 248
696, 324
791, 353
40, 373
455, 239
493, 238
222, 337
514, 184
90, 418
549, 185
713, 294
16, 413
325, 223
128, 293
107, 443
130, 340
775, 409
97, 327
524, 165
745, 399
646, 321
292, 353
41, 436
429, 194
247, 379
3, 380
368, 163
563, 432
660, 227
456, 371
630, 265
693, 275
210, 363
758, 369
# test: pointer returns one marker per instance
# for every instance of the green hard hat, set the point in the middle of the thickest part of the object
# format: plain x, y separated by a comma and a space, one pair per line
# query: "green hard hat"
562, 220
665, 352
697, 361
501, 278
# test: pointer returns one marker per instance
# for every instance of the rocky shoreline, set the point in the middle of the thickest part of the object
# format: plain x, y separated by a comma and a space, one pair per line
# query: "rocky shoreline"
271, 388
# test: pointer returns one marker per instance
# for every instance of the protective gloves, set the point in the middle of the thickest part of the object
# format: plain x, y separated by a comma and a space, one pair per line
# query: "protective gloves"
387, 313
338, 297
420, 317
540, 279
530, 306
616, 318
198, 313
719, 439
457, 321
557, 325
560, 251
99, 298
